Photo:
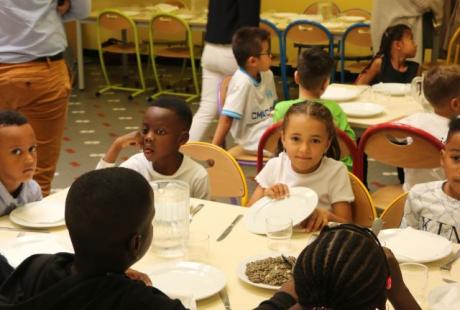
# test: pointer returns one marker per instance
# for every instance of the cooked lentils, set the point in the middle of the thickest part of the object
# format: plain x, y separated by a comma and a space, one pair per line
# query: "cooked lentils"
272, 270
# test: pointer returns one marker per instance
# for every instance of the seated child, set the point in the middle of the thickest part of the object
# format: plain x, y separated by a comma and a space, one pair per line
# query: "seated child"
251, 92
441, 87
314, 68
309, 159
109, 215
18, 160
390, 64
344, 268
164, 129
435, 206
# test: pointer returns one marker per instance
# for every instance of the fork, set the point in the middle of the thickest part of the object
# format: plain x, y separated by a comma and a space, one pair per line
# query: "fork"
224, 297
447, 266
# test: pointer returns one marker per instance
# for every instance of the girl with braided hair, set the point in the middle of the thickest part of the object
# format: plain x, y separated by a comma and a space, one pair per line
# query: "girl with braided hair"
345, 268
390, 64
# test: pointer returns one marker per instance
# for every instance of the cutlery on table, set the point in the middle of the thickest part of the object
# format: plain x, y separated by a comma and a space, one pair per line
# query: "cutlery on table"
449, 280
447, 266
377, 226
23, 230
195, 210
224, 297
287, 261
230, 227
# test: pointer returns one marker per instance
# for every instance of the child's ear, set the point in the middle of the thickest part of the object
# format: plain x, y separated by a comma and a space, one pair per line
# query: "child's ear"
184, 137
443, 153
283, 140
296, 77
135, 245
454, 105
324, 85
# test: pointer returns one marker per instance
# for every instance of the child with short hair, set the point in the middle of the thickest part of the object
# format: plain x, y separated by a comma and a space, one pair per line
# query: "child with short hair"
435, 206
314, 68
310, 160
441, 87
109, 214
18, 160
390, 64
165, 128
251, 91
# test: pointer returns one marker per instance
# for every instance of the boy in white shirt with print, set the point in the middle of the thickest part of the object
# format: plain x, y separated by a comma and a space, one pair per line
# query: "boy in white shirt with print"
251, 92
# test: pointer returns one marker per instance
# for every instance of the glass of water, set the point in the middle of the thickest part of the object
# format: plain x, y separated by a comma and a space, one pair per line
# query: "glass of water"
415, 277
279, 233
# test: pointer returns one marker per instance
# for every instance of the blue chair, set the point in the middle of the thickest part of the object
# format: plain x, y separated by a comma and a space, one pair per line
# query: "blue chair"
305, 32
275, 32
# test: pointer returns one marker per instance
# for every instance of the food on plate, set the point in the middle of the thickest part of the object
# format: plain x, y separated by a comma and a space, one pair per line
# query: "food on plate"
271, 270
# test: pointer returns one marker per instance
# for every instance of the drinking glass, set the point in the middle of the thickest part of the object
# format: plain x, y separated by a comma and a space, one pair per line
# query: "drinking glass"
415, 277
198, 246
279, 233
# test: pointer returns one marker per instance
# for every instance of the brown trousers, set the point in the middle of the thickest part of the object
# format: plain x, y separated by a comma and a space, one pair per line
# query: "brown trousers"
40, 91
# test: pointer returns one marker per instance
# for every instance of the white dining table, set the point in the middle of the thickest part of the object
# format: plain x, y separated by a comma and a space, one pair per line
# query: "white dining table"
227, 254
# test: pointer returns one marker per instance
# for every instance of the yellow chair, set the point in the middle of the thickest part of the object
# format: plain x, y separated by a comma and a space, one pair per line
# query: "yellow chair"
114, 20
163, 26
453, 50
393, 214
225, 175
363, 208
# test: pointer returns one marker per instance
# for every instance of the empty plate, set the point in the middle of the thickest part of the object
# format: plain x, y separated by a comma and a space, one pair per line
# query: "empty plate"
361, 109
392, 89
299, 205
338, 93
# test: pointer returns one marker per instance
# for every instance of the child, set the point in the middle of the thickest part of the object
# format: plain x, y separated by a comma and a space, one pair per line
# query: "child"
441, 87
435, 206
309, 140
164, 129
107, 240
18, 160
344, 268
390, 64
251, 92
314, 69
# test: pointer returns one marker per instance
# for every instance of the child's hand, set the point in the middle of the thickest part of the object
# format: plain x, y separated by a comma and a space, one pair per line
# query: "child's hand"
133, 138
63, 7
138, 276
317, 220
277, 191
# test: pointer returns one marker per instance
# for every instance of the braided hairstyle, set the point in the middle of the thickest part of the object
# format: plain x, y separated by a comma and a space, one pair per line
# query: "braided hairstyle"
344, 268
321, 113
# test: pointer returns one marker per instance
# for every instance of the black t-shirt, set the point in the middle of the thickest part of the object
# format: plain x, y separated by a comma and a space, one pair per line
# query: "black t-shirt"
388, 74
225, 17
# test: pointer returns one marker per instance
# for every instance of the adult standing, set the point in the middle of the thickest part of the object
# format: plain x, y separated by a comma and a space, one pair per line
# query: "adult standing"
217, 61
34, 78
387, 13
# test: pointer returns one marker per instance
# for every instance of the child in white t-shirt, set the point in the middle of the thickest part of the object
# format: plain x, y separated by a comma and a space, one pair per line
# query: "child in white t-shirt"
251, 91
164, 129
310, 160
435, 206
441, 87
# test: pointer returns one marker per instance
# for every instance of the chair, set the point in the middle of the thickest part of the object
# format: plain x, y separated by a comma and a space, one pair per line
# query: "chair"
362, 208
163, 26
275, 33
357, 12
453, 49
357, 38
225, 175
314, 8
114, 20
303, 32
347, 146
393, 214
397, 145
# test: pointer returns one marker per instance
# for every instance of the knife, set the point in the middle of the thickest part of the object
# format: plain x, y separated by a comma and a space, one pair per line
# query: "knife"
224, 297
230, 227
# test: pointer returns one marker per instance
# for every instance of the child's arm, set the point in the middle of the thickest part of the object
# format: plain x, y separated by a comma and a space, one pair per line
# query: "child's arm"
341, 212
225, 122
63, 7
277, 191
366, 77
133, 138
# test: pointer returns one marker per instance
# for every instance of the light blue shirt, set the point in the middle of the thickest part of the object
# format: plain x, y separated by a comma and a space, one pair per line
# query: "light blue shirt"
30, 192
30, 29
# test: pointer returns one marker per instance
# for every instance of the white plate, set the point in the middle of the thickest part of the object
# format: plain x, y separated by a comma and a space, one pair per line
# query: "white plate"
352, 19
333, 25
299, 205
241, 269
285, 15
445, 297
415, 246
131, 13
393, 89
200, 280
338, 93
46, 213
361, 109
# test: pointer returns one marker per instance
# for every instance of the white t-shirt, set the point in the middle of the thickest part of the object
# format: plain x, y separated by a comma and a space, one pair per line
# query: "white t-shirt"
435, 125
429, 208
250, 103
330, 181
189, 171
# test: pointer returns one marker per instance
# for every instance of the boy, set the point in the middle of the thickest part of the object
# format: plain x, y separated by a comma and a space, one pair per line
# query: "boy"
251, 92
107, 240
435, 206
441, 87
164, 129
18, 160
314, 69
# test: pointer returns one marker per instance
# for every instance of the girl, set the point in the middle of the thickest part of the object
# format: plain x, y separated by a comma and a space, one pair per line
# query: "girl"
310, 159
390, 64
